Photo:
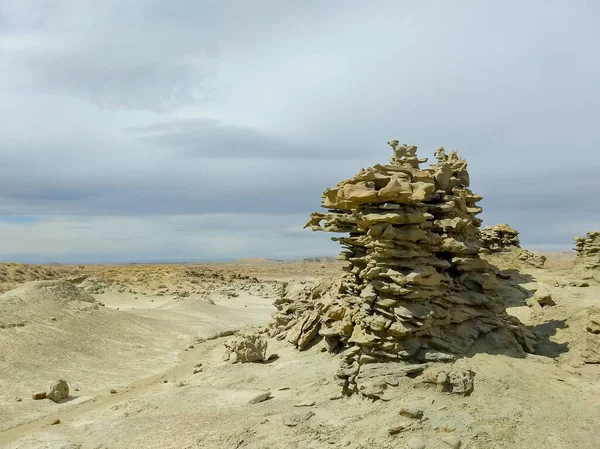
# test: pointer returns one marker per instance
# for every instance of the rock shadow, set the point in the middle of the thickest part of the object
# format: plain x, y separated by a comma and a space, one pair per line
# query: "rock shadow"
511, 287
545, 346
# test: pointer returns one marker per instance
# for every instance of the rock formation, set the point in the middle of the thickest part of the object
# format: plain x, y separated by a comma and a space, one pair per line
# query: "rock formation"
415, 288
591, 351
247, 346
502, 239
588, 251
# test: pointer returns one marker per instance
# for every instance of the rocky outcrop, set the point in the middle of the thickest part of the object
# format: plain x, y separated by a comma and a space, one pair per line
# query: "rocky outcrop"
497, 238
415, 288
502, 239
588, 250
247, 346
591, 351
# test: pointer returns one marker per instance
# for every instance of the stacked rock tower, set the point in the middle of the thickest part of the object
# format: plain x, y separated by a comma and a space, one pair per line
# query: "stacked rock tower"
497, 238
504, 240
588, 250
415, 288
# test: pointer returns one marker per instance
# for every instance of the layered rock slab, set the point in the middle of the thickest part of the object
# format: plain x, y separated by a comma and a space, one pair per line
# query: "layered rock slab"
415, 288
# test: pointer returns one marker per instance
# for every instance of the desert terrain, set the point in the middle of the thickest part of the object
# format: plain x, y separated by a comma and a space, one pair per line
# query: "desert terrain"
141, 348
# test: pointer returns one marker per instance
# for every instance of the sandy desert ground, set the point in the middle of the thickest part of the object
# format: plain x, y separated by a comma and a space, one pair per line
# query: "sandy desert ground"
141, 348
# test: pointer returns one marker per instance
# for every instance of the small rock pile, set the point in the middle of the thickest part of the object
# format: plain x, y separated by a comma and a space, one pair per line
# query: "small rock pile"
415, 288
501, 238
588, 250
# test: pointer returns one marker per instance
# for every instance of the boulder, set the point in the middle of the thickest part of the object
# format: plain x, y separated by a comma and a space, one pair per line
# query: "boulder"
58, 391
247, 346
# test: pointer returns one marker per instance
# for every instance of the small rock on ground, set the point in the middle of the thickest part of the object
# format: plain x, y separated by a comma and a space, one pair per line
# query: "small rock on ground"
412, 412
40, 395
261, 398
55, 422
416, 443
58, 391
453, 441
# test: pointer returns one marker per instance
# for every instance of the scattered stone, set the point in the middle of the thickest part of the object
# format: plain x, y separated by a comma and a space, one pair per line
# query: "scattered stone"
283, 388
58, 391
248, 346
416, 443
113, 391
40, 395
412, 412
19, 400
453, 441
579, 284
55, 422
191, 347
273, 357
297, 419
261, 397
305, 404
197, 370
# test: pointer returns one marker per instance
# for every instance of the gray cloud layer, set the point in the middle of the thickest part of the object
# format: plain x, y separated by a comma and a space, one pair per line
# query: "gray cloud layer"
123, 113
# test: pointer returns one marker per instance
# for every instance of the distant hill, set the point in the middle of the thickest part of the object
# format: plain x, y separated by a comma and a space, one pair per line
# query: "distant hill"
326, 259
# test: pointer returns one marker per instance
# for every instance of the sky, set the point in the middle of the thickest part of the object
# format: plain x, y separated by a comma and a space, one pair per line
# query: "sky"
208, 129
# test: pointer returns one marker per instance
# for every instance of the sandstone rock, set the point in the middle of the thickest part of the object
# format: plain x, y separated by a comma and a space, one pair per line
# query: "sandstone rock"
543, 296
453, 379
58, 391
591, 350
415, 288
40, 395
588, 257
260, 397
502, 239
453, 441
414, 412
248, 346
305, 404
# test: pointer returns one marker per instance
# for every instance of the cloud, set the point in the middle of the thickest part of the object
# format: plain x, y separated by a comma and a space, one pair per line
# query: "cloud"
119, 114
224, 236
211, 138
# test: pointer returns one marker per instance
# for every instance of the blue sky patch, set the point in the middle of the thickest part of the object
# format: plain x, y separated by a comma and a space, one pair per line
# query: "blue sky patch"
19, 219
